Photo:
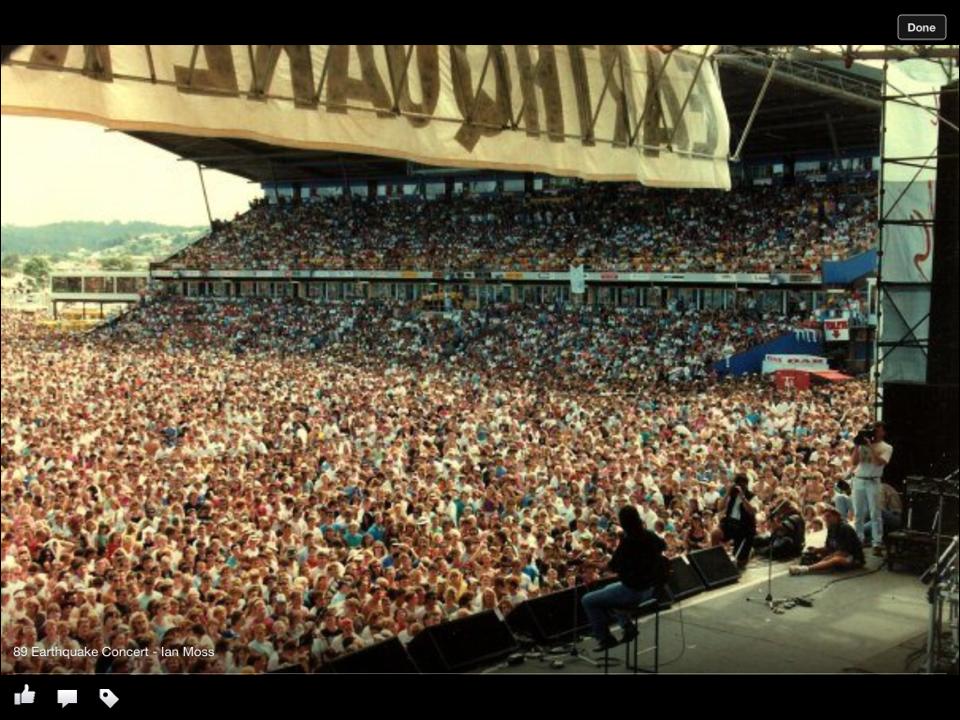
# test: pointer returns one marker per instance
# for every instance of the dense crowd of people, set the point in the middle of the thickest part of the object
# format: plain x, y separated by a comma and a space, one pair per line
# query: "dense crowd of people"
588, 347
279, 483
603, 227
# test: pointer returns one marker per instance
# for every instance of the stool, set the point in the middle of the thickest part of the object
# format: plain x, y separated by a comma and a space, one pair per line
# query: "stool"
634, 613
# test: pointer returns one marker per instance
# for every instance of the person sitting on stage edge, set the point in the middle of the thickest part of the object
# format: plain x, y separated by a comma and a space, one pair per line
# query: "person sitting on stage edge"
787, 535
641, 567
739, 523
843, 550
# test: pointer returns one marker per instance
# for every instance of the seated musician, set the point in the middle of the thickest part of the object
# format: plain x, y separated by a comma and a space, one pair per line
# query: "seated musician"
639, 563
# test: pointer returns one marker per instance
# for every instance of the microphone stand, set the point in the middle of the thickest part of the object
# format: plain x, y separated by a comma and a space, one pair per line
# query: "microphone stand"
772, 603
575, 654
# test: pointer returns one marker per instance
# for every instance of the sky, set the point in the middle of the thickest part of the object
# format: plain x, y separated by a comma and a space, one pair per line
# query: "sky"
62, 170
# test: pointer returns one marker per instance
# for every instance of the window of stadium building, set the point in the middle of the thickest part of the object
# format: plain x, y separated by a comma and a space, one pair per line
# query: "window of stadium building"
334, 291
606, 295
73, 284
382, 291
530, 294
771, 300
97, 285
222, 288
130, 285
715, 298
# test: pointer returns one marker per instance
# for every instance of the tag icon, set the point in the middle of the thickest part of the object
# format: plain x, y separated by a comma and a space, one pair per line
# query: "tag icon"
108, 698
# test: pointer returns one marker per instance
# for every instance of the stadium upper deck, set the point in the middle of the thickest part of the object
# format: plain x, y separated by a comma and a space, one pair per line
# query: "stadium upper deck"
604, 227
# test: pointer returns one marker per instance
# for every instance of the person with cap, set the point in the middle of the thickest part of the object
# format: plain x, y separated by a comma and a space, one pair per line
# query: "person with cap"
843, 550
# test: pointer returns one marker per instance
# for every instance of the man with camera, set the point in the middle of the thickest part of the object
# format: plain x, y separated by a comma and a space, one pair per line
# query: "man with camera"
870, 455
739, 522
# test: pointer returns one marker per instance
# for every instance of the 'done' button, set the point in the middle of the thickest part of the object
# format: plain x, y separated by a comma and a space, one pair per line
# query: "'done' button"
922, 27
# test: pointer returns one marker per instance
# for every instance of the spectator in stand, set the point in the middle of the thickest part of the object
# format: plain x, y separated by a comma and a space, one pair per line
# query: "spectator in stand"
602, 226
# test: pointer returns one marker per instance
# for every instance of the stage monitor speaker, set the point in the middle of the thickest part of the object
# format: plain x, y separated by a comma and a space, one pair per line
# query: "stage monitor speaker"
461, 645
549, 618
287, 670
921, 421
684, 580
388, 656
943, 360
714, 567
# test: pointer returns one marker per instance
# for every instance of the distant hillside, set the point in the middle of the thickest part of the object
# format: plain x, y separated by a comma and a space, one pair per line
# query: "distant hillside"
66, 237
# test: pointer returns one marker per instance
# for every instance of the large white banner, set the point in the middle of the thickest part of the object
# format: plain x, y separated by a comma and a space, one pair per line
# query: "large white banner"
909, 175
599, 112
910, 170
810, 363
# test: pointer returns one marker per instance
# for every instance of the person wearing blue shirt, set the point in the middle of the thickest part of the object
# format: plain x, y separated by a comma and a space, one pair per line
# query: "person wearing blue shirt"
353, 538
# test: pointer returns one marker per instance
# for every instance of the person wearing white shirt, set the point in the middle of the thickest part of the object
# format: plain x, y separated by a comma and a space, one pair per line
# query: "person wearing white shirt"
869, 461
647, 514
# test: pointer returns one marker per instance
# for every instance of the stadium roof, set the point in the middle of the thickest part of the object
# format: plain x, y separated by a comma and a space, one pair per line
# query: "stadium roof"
817, 104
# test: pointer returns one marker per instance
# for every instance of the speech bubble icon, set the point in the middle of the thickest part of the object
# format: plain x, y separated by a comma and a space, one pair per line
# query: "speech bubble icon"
66, 697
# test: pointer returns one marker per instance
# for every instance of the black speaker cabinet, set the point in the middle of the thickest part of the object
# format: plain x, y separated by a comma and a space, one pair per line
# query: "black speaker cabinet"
462, 645
388, 656
549, 618
943, 360
684, 581
714, 567
922, 426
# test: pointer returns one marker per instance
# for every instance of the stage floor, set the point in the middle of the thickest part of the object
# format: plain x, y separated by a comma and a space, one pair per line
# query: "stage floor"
874, 622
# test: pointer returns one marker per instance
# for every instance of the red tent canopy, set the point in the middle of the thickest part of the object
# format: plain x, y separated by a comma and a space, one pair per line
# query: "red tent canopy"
831, 376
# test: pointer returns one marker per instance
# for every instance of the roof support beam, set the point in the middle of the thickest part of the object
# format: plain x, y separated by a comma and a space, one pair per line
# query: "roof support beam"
808, 78
833, 135
890, 52
753, 113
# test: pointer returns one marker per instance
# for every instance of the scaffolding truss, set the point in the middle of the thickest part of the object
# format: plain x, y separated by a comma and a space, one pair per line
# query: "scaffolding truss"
904, 297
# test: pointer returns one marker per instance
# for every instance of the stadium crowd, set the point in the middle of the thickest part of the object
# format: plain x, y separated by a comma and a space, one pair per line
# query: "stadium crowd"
604, 227
282, 483
604, 346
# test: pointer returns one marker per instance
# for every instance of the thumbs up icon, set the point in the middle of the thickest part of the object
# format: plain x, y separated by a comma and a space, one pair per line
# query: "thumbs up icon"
25, 697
